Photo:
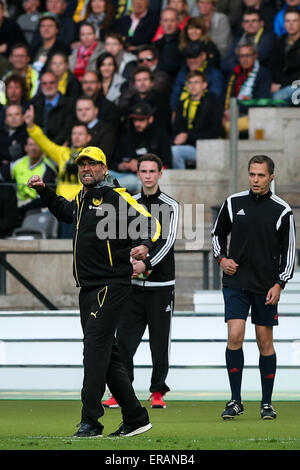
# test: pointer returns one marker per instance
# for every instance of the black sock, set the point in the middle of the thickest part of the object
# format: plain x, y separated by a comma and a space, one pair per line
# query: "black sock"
267, 367
235, 365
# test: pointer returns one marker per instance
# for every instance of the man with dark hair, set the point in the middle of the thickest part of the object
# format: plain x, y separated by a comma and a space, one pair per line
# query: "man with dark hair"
102, 270
256, 267
198, 116
147, 57
253, 29
285, 60
142, 136
92, 88
103, 133
54, 112
152, 300
143, 91
19, 57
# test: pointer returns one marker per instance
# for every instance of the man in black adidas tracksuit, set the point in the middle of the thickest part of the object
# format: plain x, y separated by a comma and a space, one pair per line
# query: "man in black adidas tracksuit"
152, 300
259, 262
106, 220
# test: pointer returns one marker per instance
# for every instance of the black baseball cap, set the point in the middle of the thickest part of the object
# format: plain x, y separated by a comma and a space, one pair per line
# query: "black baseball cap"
141, 110
194, 49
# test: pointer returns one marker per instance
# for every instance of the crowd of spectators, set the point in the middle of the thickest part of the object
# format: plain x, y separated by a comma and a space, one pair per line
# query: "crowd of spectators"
131, 77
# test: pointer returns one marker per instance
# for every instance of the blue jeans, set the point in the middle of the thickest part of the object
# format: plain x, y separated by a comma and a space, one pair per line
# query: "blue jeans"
128, 180
284, 93
181, 154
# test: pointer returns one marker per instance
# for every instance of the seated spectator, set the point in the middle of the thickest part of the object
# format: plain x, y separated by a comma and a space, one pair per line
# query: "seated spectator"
67, 27
248, 81
28, 21
196, 59
139, 26
10, 32
143, 91
101, 14
13, 135
167, 48
181, 6
8, 209
285, 61
19, 57
84, 57
126, 61
196, 30
68, 184
53, 111
33, 163
266, 12
253, 29
41, 52
14, 92
144, 136
217, 24
103, 133
107, 110
147, 57
279, 21
198, 116
111, 80
68, 85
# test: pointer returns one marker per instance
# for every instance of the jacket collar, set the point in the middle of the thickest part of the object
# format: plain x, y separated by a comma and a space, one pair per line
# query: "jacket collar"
258, 197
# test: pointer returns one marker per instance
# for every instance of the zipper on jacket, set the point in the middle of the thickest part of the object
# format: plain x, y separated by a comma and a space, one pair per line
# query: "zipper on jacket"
79, 212
109, 253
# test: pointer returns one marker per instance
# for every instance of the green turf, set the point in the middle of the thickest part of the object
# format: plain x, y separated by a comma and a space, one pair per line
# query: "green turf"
190, 425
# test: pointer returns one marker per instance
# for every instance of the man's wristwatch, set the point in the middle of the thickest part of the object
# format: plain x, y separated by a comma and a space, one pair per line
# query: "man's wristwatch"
281, 283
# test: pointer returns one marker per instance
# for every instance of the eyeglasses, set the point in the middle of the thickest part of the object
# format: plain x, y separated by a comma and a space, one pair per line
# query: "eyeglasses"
82, 164
48, 83
89, 82
245, 56
146, 59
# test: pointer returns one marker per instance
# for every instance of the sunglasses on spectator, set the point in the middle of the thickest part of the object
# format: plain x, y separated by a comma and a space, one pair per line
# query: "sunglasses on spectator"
146, 59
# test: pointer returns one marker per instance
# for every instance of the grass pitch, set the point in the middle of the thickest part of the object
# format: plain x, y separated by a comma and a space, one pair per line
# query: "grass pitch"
183, 425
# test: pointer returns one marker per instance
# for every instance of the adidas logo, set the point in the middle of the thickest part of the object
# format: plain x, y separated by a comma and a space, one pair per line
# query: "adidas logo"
241, 212
168, 309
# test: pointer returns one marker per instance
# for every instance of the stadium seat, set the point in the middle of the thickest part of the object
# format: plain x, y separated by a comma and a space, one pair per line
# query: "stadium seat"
38, 224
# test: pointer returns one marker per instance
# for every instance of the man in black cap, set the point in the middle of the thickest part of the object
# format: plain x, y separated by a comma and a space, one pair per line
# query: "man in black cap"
196, 59
143, 136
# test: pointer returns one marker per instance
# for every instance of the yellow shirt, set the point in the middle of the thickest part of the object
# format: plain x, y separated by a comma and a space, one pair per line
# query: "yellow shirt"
67, 186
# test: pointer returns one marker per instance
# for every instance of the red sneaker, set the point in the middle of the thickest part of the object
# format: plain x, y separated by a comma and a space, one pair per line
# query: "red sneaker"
110, 403
157, 400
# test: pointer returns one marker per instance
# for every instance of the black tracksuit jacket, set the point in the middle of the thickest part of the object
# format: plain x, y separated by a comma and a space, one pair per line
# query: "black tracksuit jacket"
262, 240
161, 257
100, 257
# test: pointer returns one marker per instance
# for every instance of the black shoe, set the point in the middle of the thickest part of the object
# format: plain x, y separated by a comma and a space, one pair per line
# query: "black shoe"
267, 411
88, 430
232, 409
130, 430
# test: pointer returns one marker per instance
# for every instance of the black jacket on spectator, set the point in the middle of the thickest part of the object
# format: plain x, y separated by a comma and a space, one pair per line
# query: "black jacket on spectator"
168, 54
285, 66
108, 111
8, 210
57, 126
133, 144
104, 136
159, 102
207, 122
144, 31
10, 33
58, 46
12, 144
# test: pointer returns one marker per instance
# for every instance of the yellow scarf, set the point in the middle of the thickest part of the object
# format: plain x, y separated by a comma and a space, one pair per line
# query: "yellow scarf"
63, 83
185, 93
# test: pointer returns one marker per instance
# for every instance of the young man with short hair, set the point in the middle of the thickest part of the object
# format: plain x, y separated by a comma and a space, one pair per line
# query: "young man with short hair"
256, 266
152, 300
